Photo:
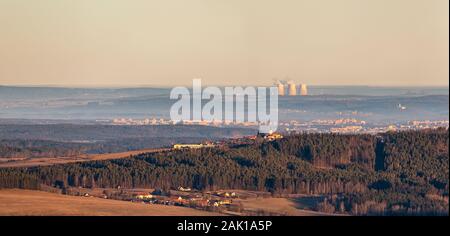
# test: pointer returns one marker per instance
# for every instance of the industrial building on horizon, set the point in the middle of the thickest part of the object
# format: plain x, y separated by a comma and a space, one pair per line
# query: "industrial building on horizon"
303, 90
292, 88
281, 89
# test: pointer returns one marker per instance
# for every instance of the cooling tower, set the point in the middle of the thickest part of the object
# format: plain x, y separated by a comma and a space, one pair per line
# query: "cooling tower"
292, 88
281, 91
304, 90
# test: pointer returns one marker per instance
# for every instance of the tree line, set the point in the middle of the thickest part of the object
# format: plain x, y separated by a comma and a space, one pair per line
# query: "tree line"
395, 172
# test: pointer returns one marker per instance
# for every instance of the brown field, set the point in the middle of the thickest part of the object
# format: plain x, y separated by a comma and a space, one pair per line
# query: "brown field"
46, 161
15, 202
284, 206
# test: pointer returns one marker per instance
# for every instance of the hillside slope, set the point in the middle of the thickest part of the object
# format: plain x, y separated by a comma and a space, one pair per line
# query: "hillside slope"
14, 202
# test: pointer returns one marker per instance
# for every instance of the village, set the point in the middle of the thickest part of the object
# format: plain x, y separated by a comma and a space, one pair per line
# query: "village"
227, 202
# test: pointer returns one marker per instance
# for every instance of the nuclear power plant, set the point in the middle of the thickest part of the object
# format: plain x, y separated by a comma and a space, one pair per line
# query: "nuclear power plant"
303, 90
281, 89
291, 88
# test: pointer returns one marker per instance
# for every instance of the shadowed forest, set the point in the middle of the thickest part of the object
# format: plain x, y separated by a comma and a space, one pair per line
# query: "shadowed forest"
404, 173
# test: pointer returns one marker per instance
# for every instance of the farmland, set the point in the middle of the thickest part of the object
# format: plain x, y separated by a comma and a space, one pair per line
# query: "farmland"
46, 161
38, 203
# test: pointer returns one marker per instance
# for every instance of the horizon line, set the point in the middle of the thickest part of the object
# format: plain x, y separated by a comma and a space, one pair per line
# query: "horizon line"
172, 86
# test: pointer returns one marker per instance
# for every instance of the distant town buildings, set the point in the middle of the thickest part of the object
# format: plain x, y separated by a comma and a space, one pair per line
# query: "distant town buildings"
347, 129
339, 125
193, 146
161, 121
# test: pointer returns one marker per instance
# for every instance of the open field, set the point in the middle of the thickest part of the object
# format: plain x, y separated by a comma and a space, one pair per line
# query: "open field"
46, 161
38, 203
284, 206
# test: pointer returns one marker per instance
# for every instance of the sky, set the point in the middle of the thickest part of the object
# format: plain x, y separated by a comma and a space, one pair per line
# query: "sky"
130, 43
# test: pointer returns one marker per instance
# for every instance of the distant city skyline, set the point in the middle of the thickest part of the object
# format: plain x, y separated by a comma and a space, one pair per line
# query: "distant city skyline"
94, 43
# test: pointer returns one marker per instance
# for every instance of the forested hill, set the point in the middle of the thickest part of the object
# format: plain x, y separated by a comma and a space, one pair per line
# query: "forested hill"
392, 173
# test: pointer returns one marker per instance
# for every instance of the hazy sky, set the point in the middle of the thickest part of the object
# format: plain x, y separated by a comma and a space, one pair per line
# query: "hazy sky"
226, 42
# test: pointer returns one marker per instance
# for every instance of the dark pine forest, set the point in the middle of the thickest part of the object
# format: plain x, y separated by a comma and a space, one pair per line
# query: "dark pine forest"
390, 173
